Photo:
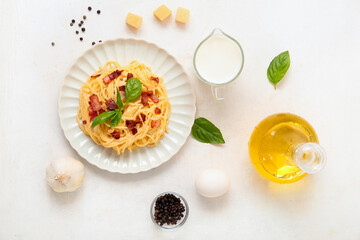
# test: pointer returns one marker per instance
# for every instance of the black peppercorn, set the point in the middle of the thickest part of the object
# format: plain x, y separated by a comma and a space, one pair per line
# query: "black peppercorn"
84, 17
71, 24
93, 43
77, 32
52, 44
168, 209
89, 8
83, 29
98, 11
73, 21
81, 39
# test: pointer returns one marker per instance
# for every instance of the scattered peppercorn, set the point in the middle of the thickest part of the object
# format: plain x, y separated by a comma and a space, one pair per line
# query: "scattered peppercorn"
81, 23
52, 44
168, 209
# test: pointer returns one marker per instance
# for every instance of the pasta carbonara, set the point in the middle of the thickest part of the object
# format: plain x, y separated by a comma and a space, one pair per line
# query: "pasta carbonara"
144, 121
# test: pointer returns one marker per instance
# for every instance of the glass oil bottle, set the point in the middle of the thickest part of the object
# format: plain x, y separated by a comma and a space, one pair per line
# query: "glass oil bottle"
284, 148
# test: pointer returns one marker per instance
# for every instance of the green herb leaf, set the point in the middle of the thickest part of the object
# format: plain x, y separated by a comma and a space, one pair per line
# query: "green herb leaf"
204, 131
133, 89
102, 118
278, 67
115, 120
118, 100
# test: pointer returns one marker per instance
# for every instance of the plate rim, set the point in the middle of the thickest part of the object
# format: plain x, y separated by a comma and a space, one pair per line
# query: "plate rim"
166, 159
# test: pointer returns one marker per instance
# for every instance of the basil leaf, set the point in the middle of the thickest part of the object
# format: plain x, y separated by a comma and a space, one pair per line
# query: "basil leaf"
204, 131
102, 118
278, 67
133, 89
115, 120
118, 100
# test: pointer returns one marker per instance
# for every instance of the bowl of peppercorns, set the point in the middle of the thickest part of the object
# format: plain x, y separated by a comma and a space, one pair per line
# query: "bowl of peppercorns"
169, 210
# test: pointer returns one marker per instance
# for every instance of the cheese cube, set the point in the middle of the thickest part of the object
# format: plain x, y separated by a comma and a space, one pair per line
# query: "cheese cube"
182, 15
162, 12
133, 20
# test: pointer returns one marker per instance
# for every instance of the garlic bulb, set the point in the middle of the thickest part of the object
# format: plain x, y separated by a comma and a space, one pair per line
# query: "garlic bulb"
65, 174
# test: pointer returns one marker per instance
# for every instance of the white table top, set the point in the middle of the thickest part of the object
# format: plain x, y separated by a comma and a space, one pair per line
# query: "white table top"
322, 85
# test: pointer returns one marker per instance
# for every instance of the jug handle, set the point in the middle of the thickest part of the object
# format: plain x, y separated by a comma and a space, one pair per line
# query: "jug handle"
218, 93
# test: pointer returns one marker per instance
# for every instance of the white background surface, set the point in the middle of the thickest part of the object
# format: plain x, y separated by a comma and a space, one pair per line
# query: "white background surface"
322, 85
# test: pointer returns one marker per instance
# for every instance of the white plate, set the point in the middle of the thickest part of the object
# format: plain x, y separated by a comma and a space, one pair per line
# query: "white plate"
179, 93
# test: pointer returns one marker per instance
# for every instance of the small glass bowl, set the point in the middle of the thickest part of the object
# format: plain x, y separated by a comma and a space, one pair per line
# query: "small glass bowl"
180, 222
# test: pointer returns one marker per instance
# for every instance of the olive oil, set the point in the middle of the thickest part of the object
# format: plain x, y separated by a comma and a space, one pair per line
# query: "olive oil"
279, 151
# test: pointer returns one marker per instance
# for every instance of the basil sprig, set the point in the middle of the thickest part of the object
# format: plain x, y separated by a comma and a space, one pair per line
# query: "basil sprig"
206, 132
103, 118
118, 100
278, 67
118, 114
115, 120
133, 90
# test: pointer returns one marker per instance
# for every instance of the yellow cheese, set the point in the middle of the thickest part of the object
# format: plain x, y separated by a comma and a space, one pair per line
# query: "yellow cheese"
133, 20
182, 15
162, 12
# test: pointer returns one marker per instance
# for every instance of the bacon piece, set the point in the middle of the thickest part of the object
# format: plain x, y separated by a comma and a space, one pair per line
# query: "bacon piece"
96, 76
154, 98
131, 127
92, 114
139, 121
143, 117
129, 75
155, 123
134, 131
95, 103
84, 122
157, 110
111, 104
156, 79
115, 134
122, 88
107, 79
145, 98
115, 74
130, 124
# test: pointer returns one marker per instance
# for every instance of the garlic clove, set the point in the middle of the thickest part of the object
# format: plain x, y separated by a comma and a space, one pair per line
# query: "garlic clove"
65, 174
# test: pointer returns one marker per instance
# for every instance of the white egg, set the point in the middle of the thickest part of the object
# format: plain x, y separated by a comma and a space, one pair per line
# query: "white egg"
212, 183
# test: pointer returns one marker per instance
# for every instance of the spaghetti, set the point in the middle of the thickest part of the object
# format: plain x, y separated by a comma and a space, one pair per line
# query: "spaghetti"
144, 121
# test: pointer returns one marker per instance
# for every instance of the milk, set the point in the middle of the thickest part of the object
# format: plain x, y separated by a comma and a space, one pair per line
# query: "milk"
218, 60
